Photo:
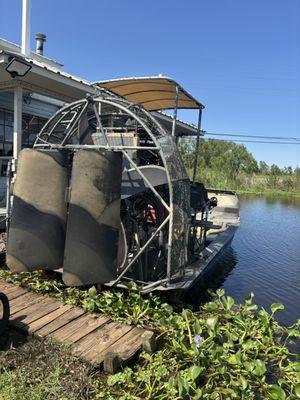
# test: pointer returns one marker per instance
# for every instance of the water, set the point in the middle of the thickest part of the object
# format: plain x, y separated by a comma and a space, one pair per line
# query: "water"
265, 255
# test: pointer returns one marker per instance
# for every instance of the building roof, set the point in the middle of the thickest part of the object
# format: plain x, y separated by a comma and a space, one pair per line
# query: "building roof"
154, 93
182, 128
15, 48
45, 77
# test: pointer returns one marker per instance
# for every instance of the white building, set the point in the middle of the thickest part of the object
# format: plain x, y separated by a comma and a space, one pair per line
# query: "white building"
26, 102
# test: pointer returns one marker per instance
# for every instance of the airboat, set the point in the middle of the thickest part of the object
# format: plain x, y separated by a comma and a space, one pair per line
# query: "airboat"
104, 197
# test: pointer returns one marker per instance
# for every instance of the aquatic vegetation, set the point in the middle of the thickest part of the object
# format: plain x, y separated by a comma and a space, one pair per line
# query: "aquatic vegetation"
223, 351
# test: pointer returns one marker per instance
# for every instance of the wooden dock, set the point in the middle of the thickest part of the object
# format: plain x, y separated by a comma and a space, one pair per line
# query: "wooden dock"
91, 337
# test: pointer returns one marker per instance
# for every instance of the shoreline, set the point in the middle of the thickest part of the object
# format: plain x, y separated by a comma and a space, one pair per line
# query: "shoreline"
268, 192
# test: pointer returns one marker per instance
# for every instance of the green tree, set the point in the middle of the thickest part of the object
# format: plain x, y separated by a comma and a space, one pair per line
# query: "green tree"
288, 170
227, 165
275, 170
263, 167
226, 156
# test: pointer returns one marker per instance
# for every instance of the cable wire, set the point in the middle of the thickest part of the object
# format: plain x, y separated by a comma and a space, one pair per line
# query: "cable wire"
255, 141
252, 136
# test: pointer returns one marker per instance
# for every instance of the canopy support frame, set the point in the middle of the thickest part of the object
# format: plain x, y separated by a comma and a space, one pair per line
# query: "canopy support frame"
197, 145
175, 111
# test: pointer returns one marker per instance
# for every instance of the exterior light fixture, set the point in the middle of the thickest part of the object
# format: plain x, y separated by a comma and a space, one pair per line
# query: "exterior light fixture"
18, 67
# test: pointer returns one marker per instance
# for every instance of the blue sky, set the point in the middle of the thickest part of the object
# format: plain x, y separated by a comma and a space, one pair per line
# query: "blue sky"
240, 58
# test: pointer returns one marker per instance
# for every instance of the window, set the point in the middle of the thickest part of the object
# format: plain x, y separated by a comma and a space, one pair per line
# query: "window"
31, 125
6, 133
3, 166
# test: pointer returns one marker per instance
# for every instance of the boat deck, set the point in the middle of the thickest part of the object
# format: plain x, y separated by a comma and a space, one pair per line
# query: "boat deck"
90, 336
219, 242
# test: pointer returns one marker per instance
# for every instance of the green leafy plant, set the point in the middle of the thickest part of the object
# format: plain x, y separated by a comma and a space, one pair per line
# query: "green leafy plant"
223, 351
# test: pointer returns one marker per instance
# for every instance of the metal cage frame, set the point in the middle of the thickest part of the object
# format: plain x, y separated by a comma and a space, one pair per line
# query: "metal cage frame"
69, 117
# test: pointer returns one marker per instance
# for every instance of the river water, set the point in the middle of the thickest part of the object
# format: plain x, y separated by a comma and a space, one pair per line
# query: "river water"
265, 255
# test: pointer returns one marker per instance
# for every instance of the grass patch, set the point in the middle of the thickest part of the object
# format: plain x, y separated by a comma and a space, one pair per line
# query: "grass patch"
33, 369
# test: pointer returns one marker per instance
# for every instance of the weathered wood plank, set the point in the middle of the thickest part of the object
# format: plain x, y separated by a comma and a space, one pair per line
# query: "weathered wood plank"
79, 328
5, 285
16, 293
99, 322
92, 337
99, 340
9, 289
62, 320
70, 328
24, 317
125, 347
37, 311
46, 319
23, 302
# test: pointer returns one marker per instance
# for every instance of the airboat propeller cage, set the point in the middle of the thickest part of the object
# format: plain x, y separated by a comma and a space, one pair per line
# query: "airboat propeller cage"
108, 194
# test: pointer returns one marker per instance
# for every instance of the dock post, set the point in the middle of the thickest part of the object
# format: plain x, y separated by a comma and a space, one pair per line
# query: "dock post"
149, 342
111, 363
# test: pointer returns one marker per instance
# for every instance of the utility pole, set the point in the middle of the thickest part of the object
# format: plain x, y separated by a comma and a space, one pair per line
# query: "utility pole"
26, 27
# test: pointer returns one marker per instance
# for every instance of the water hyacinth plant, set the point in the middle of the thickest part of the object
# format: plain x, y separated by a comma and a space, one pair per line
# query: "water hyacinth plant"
223, 351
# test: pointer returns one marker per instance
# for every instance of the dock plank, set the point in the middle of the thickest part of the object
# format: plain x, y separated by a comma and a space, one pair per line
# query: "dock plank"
4, 286
99, 340
90, 336
62, 320
22, 302
126, 347
8, 290
24, 317
16, 293
91, 326
79, 328
46, 319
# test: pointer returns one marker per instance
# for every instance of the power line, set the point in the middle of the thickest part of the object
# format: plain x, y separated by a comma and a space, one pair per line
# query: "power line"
252, 136
256, 141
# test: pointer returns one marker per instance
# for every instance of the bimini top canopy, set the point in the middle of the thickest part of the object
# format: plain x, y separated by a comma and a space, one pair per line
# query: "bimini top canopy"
153, 93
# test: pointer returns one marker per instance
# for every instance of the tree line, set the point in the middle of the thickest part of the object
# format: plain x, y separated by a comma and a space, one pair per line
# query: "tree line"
225, 163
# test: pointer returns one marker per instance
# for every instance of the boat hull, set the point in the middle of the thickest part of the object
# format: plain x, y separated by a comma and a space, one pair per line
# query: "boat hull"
210, 256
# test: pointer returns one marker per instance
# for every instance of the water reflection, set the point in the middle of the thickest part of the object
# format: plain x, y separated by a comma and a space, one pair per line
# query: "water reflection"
264, 257
213, 279
272, 199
